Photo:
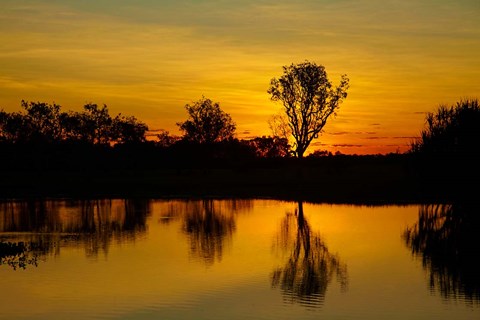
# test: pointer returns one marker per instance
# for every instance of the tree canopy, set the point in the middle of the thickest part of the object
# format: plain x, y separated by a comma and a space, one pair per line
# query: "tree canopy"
447, 151
207, 123
451, 130
308, 99
43, 122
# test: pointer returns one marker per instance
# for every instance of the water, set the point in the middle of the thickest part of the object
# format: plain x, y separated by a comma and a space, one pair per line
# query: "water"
236, 259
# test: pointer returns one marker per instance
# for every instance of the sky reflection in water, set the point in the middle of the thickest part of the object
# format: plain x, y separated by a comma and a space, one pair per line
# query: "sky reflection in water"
237, 259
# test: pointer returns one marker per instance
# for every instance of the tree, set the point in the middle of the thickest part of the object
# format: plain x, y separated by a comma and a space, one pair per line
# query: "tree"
129, 129
43, 120
451, 130
97, 124
165, 140
447, 151
40, 123
207, 123
270, 147
72, 126
308, 99
279, 127
13, 127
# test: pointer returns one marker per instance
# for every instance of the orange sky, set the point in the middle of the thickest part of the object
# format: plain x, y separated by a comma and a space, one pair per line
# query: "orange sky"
149, 58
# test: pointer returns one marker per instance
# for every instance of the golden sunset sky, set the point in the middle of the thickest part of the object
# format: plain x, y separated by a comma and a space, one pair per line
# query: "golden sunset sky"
149, 58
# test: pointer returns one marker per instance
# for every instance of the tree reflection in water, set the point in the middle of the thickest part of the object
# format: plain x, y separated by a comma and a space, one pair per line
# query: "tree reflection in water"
34, 229
310, 266
18, 254
209, 224
104, 221
208, 229
447, 238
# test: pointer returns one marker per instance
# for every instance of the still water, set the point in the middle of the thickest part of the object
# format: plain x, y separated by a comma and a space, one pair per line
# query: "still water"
236, 259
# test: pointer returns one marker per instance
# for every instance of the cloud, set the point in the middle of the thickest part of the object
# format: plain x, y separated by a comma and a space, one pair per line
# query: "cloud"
341, 133
318, 144
346, 145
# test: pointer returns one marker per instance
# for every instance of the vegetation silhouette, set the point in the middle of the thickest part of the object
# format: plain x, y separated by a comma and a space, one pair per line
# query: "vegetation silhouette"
308, 100
270, 147
207, 123
451, 130
447, 240
46, 123
46, 152
43, 137
447, 151
310, 266
42, 227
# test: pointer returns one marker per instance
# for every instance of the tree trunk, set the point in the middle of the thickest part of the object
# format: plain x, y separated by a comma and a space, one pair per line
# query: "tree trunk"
300, 152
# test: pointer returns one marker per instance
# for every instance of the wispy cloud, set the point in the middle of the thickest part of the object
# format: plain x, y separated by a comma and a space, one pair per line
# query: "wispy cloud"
346, 145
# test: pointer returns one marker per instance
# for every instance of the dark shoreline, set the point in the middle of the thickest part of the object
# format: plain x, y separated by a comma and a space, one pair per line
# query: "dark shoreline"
352, 183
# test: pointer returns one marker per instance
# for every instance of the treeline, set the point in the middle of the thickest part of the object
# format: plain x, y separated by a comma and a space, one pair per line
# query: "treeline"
44, 136
46, 123
47, 151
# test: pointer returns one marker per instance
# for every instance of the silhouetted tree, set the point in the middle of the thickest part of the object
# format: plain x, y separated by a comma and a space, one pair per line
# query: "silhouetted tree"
207, 123
270, 147
46, 123
40, 123
451, 130
279, 127
13, 127
320, 153
308, 99
166, 140
43, 120
71, 124
129, 129
446, 154
97, 125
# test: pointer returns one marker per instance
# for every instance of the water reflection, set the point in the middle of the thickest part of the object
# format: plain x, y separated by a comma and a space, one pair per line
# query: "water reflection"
18, 254
31, 230
208, 224
310, 267
208, 229
447, 239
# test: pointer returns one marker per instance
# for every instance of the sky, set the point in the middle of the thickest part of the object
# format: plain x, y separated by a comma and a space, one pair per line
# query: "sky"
148, 58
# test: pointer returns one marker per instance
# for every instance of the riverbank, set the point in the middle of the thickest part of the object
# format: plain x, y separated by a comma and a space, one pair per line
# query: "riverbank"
336, 180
